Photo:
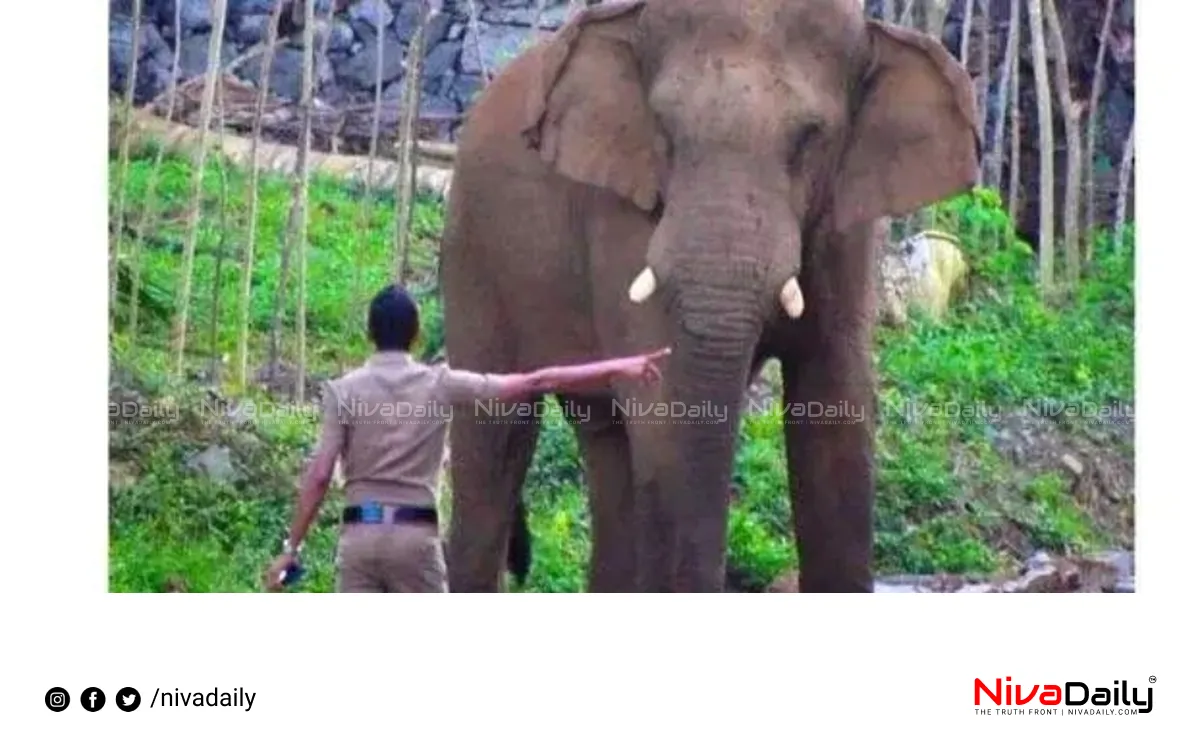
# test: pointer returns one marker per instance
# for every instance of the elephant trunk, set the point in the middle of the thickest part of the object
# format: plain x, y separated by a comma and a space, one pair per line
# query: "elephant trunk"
704, 384
722, 264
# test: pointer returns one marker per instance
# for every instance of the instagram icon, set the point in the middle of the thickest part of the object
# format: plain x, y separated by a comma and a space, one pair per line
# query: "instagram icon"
57, 699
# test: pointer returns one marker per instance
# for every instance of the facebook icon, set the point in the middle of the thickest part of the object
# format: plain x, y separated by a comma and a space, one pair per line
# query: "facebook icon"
92, 699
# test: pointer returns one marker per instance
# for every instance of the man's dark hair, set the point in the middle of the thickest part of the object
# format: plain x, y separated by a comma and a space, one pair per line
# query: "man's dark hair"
392, 320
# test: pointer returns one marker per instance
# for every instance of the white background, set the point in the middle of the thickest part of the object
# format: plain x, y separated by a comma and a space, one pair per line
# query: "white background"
554, 668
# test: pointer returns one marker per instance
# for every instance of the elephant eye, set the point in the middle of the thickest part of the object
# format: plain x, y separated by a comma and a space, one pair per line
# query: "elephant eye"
801, 140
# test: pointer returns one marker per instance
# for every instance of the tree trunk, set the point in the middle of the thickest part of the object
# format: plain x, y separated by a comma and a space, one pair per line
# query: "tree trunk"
1047, 194
993, 174
934, 15
1015, 121
966, 31
1071, 111
405, 137
1091, 138
118, 233
184, 296
1125, 171
985, 61
248, 256
152, 186
300, 197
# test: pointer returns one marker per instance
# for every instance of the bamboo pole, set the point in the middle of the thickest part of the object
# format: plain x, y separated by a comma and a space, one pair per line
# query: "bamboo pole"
152, 185
222, 240
300, 237
405, 138
183, 298
118, 235
248, 257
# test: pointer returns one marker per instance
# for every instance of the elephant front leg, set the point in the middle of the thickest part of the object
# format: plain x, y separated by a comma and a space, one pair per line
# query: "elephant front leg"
606, 452
489, 459
829, 419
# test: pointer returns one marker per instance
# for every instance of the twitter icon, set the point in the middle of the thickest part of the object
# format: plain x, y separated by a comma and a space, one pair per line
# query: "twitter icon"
128, 699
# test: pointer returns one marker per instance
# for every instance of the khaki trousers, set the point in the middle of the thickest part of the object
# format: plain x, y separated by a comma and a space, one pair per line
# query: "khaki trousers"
391, 558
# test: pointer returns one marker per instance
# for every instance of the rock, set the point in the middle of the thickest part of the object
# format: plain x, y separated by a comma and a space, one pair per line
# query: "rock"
249, 29
194, 16
359, 70
214, 463
441, 59
285, 79
153, 78
1044, 579
194, 55
1073, 465
442, 110
465, 89
885, 586
977, 588
498, 44
373, 12
239, 8
1121, 560
122, 475
551, 17
152, 51
1089, 575
406, 24
1038, 561
925, 271
342, 37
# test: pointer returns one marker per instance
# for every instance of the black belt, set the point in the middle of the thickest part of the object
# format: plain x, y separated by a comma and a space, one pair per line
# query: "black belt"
373, 513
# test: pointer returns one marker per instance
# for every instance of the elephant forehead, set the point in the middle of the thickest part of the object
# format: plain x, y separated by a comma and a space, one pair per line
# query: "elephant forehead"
761, 16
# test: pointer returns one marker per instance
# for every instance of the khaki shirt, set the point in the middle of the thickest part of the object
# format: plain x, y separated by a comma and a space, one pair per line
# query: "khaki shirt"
387, 419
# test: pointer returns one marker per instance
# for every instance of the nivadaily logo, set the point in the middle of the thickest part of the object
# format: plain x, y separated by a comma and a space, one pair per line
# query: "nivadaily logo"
1069, 698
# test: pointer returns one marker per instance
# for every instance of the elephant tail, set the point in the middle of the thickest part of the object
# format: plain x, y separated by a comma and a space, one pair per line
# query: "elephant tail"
519, 554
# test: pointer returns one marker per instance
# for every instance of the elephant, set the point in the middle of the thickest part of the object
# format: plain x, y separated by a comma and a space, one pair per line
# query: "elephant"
705, 175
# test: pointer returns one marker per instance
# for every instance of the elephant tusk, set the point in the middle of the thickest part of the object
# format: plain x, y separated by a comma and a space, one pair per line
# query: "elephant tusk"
643, 286
791, 298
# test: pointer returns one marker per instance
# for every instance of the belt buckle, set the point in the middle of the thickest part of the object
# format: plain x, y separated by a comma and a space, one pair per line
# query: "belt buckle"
372, 513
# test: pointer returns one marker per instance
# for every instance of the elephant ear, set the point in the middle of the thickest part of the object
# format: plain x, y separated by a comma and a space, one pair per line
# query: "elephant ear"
913, 138
587, 113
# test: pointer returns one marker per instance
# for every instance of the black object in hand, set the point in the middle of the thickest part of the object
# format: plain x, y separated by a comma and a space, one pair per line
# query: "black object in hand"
291, 574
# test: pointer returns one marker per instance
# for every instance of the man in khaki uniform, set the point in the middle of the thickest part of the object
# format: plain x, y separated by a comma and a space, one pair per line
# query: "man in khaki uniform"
387, 421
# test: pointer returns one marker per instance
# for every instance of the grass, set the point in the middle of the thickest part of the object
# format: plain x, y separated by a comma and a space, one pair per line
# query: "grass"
948, 501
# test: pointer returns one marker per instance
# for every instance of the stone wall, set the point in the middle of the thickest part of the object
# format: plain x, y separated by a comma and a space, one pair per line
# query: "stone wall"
458, 57
455, 64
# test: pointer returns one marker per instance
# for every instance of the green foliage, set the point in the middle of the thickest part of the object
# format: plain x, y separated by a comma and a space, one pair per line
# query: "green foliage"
946, 498
345, 228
